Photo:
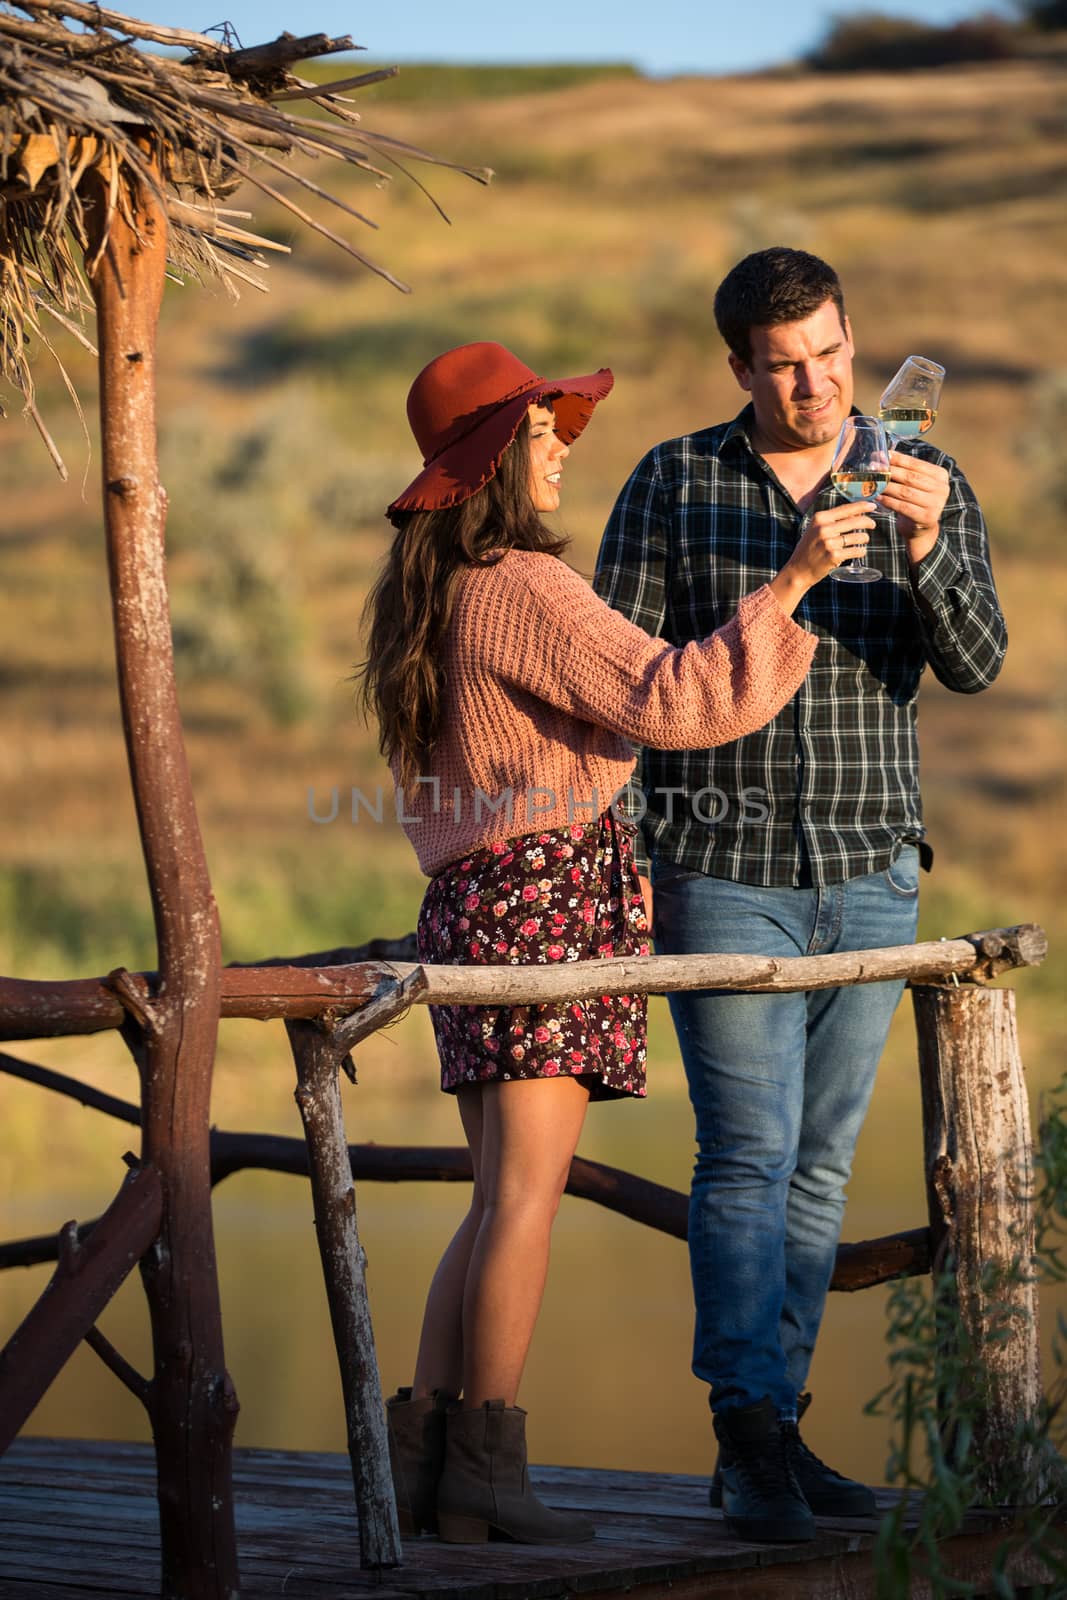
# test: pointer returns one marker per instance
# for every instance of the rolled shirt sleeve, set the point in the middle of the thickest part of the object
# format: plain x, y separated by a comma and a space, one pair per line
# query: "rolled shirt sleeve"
962, 624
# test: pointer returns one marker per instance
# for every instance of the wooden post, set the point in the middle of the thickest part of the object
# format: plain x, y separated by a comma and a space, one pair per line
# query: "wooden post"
192, 1402
318, 1095
976, 1128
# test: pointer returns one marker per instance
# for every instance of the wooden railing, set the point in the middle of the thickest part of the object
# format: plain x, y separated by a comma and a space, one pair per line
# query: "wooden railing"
976, 1138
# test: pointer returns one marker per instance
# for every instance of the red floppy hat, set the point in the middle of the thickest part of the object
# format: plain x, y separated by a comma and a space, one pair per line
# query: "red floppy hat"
465, 408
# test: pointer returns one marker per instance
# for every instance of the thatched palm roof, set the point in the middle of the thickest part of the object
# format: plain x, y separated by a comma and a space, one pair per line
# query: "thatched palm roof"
80, 94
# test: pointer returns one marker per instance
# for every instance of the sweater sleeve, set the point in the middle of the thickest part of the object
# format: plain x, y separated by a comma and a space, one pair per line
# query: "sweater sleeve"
540, 626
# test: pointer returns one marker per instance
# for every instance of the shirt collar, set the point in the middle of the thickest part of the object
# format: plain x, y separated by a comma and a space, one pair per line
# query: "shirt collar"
739, 431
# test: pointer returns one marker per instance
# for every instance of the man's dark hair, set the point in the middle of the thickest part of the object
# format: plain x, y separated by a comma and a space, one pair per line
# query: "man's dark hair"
772, 286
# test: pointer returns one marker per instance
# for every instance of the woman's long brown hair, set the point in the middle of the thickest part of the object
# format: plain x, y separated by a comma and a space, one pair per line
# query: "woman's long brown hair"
408, 611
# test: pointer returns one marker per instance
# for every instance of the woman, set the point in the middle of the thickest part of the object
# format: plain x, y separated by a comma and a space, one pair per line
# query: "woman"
508, 698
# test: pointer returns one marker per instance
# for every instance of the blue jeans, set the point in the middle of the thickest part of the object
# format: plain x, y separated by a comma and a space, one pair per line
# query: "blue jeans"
780, 1085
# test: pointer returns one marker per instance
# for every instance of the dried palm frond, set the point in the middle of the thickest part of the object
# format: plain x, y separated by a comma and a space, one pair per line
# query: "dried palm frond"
79, 94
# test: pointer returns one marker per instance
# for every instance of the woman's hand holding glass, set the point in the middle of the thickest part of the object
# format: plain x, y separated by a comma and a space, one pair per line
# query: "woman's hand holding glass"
829, 539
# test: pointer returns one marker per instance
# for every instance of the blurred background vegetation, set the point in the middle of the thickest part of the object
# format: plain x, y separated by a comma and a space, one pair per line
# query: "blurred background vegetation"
618, 204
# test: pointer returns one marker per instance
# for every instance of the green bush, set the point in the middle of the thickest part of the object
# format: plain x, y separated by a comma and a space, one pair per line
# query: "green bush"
1048, 15
236, 529
935, 1399
312, 894
874, 42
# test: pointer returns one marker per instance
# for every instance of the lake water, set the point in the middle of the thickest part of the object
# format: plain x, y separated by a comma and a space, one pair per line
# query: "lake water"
608, 1381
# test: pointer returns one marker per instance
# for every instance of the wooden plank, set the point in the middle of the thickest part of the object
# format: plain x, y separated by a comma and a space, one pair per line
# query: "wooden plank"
644, 1493
46, 1589
88, 1507
123, 1493
632, 1556
19, 1570
31, 1447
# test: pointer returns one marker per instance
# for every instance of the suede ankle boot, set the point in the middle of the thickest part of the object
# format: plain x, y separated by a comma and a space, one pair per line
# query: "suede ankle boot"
761, 1499
484, 1491
416, 1457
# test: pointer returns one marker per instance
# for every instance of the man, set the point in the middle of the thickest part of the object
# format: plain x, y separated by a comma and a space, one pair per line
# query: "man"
800, 839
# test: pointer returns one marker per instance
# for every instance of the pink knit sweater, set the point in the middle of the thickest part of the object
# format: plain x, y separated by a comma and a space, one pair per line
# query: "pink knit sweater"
546, 689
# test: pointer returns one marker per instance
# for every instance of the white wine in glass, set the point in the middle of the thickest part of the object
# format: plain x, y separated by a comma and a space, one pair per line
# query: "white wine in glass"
860, 471
909, 402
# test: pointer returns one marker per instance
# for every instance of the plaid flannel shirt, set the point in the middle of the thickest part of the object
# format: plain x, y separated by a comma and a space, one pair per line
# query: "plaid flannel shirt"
829, 789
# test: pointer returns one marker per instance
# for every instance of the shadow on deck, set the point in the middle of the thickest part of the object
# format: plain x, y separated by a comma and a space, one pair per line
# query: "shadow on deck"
78, 1520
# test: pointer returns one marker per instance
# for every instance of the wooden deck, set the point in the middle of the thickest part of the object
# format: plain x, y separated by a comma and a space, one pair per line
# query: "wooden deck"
78, 1522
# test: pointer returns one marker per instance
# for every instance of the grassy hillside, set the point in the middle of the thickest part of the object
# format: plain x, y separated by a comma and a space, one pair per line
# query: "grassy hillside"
617, 205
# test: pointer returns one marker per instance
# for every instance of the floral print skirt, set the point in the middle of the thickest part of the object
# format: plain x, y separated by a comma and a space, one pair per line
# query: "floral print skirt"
571, 894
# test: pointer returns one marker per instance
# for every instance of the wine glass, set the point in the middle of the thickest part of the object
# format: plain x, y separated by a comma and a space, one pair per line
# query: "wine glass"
908, 406
860, 471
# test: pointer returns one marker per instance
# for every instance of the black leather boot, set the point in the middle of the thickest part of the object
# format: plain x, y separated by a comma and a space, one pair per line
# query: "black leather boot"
416, 1456
828, 1493
761, 1499
484, 1490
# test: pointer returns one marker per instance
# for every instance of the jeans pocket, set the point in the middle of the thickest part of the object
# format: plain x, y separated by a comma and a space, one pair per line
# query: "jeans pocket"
669, 875
902, 875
